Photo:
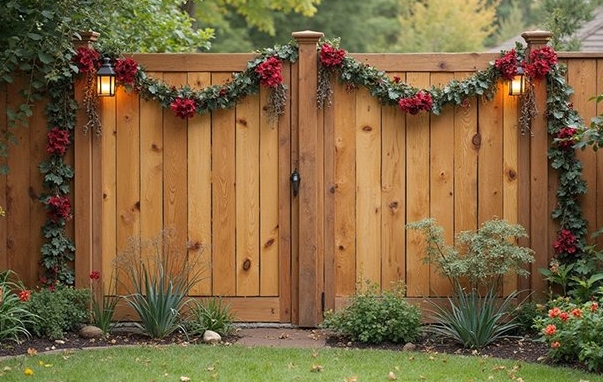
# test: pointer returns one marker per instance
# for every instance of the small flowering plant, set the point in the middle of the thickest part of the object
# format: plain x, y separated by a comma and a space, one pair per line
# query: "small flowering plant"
103, 306
574, 332
15, 318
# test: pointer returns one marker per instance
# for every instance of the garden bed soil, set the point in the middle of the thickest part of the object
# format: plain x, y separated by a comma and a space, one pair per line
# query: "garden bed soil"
517, 348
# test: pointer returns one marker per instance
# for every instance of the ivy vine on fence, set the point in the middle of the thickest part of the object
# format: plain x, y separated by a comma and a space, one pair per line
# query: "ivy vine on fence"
265, 70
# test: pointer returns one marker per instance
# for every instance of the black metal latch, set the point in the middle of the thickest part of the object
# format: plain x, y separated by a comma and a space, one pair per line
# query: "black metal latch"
295, 181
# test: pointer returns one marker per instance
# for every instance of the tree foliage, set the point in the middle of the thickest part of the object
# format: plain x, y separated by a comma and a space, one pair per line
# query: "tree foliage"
445, 25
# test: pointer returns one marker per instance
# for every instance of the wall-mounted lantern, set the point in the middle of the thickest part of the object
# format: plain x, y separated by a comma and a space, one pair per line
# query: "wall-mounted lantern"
105, 79
518, 83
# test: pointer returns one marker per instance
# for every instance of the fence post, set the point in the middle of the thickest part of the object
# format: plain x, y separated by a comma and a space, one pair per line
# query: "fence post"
309, 225
534, 209
83, 185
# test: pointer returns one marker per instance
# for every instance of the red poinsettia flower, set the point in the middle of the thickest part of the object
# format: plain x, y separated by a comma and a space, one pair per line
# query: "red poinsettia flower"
86, 59
58, 141
331, 57
566, 242
420, 101
184, 107
507, 65
59, 207
565, 138
270, 72
541, 62
126, 70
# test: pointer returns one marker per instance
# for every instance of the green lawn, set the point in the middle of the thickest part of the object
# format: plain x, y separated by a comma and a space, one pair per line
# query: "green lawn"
197, 363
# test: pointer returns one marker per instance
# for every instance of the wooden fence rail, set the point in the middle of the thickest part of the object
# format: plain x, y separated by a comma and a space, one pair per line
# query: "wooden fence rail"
221, 181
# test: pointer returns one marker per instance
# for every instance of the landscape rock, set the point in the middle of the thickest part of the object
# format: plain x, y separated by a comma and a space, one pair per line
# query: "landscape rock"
211, 337
409, 347
90, 331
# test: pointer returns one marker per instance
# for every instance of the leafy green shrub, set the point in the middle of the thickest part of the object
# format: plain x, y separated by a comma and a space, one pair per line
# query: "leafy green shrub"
374, 317
473, 320
158, 281
210, 314
574, 332
525, 316
481, 258
58, 310
14, 316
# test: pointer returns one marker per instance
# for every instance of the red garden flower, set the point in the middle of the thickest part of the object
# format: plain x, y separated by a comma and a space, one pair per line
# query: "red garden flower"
58, 141
331, 57
550, 330
564, 316
577, 313
594, 306
565, 138
184, 107
507, 65
59, 207
270, 72
126, 70
566, 242
86, 59
24, 295
541, 62
555, 312
95, 275
421, 101
555, 345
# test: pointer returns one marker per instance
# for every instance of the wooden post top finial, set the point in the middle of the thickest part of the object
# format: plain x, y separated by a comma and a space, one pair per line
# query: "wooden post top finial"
537, 37
307, 36
86, 40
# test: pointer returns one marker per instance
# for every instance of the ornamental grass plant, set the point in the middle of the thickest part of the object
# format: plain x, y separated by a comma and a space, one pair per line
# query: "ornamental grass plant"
15, 318
213, 314
158, 279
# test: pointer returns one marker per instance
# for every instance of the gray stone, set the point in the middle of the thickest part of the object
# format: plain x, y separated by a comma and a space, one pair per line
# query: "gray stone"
211, 337
91, 331
409, 347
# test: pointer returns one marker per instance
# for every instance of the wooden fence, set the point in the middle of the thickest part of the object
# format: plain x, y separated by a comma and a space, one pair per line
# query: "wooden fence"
222, 181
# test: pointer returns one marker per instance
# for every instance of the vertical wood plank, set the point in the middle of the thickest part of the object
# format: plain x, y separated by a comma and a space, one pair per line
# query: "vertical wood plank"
223, 198
127, 170
4, 261
442, 181
393, 200
465, 165
109, 222
175, 170
368, 187
599, 162
269, 206
344, 120
151, 166
490, 165
199, 189
247, 197
417, 191
510, 190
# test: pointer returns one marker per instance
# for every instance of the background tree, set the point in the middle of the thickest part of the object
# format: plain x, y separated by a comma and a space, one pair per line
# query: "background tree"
564, 18
445, 25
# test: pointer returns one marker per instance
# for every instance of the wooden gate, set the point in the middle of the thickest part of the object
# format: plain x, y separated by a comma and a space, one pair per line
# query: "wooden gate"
219, 181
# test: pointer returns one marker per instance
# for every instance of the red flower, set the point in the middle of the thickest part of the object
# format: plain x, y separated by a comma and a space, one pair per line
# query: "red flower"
541, 62
331, 57
126, 70
58, 140
555, 312
24, 295
95, 275
555, 344
566, 242
421, 101
397, 79
565, 138
550, 330
270, 72
86, 59
564, 316
594, 306
577, 313
184, 107
59, 207
507, 65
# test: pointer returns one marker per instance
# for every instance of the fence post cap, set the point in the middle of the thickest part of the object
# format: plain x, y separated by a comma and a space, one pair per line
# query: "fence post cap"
307, 36
537, 36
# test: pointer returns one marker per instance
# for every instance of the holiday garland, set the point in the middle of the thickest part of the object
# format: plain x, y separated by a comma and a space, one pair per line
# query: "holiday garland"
265, 70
